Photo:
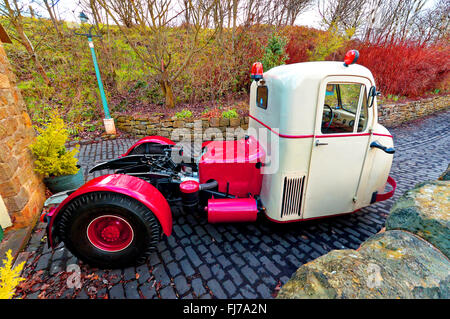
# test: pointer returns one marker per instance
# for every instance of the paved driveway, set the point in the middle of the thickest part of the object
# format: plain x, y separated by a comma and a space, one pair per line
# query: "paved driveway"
233, 261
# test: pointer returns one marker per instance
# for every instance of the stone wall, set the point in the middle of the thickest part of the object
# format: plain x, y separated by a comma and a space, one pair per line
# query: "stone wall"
389, 115
145, 126
22, 190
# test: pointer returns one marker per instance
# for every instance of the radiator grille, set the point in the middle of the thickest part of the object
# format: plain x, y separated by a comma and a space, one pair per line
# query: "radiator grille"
292, 196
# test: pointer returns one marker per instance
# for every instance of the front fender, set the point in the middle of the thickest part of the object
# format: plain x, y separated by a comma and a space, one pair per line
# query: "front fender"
127, 185
150, 139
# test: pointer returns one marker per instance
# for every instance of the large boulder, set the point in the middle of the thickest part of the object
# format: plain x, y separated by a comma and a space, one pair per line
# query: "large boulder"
392, 264
424, 211
446, 175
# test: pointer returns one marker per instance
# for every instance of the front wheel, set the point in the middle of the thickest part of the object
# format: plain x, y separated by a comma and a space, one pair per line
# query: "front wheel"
109, 230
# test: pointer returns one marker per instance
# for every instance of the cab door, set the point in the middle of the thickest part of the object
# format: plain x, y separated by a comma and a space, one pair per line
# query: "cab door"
339, 146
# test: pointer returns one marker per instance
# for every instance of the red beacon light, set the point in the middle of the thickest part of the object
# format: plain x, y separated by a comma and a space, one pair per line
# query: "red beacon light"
351, 57
257, 71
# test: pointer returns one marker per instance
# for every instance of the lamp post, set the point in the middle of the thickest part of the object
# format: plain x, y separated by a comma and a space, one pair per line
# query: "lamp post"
107, 121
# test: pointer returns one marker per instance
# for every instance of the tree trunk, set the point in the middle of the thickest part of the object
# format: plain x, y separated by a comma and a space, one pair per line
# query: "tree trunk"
32, 12
53, 18
235, 9
166, 87
29, 47
16, 20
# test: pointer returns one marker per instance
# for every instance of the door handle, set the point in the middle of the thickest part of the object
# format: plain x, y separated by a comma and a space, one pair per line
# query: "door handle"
375, 144
319, 143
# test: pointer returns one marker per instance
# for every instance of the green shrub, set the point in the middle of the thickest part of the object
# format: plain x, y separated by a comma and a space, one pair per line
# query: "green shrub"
184, 114
275, 53
52, 157
230, 114
329, 42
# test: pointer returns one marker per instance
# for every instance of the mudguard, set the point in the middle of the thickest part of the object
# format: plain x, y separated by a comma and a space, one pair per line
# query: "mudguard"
127, 185
135, 161
150, 139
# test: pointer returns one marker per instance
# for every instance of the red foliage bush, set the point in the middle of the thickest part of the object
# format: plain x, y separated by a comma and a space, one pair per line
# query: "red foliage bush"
405, 68
301, 41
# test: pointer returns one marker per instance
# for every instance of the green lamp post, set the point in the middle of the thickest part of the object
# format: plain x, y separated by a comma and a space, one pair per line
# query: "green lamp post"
107, 121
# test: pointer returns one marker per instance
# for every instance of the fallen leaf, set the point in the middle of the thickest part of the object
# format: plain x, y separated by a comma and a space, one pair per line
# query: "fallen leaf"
44, 287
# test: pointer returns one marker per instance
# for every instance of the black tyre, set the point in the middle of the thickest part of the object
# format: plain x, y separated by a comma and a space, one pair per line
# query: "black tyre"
109, 230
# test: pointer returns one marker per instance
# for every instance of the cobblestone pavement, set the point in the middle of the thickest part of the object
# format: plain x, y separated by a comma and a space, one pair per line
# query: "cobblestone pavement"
233, 260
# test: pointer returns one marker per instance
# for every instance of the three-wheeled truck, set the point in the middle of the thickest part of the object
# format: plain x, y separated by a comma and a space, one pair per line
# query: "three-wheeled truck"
334, 158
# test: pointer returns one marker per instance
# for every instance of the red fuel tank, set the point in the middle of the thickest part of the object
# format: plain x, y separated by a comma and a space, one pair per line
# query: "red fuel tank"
238, 163
232, 210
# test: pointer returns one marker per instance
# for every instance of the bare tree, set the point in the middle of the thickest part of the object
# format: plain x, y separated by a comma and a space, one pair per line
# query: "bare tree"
393, 20
343, 14
294, 8
253, 13
384, 21
50, 6
372, 11
32, 14
187, 12
433, 24
284, 12
273, 12
12, 11
154, 45
233, 17
124, 11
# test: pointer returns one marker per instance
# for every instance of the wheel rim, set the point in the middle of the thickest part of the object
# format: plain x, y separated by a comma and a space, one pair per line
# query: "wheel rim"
110, 233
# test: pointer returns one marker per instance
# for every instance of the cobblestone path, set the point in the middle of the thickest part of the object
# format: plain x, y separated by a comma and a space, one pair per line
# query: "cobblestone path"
233, 261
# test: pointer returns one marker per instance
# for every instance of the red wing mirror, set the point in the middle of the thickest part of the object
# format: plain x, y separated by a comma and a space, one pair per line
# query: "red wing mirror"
257, 71
351, 57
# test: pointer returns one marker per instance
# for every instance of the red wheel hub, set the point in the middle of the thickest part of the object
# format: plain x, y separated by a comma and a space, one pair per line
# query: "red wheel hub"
110, 233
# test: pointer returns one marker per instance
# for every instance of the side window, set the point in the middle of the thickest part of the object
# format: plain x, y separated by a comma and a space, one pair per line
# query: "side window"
341, 107
364, 115
262, 93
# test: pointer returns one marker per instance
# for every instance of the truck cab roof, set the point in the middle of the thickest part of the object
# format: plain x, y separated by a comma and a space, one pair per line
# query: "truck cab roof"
293, 74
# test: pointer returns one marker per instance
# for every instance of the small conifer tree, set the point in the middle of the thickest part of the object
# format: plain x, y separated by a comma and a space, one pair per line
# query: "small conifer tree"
9, 276
52, 157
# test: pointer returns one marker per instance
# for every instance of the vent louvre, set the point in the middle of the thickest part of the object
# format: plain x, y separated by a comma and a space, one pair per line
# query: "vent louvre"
292, 196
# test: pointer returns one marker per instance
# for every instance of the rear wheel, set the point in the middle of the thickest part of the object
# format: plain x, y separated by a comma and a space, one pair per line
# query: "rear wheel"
109, 230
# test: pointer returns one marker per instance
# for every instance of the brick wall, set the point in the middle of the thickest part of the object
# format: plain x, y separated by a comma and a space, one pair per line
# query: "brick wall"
22, 190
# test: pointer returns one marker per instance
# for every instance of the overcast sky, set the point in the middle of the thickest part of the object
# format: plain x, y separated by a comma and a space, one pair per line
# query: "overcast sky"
70, 9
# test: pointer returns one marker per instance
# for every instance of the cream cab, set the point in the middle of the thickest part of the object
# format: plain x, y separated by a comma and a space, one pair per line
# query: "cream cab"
333, 155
